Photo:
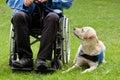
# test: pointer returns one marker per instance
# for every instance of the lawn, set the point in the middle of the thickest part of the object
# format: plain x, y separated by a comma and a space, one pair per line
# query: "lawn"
102, 15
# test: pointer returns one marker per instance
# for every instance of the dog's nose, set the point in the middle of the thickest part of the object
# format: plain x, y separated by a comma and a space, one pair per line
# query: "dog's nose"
74, 28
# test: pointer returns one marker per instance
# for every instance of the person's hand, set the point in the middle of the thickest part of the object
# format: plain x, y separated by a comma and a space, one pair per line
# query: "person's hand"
28, 2
42, 1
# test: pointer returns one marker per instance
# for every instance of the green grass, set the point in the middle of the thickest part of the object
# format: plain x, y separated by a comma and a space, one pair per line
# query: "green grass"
102, 15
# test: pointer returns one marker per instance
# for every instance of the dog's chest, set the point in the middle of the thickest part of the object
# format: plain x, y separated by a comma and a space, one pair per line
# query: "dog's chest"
90, 48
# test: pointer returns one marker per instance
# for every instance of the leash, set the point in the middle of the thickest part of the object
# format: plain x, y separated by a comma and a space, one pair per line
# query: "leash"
55, 63
41, 10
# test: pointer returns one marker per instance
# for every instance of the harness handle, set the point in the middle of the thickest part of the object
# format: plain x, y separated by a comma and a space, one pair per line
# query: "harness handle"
58, 11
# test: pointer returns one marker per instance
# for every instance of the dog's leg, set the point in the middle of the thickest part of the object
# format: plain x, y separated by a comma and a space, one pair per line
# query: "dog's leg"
104, 61
90, 69
73, 67
78, 52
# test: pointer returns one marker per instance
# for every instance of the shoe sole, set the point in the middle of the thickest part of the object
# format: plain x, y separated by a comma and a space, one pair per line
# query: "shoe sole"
49, 70
21, 69
44, 69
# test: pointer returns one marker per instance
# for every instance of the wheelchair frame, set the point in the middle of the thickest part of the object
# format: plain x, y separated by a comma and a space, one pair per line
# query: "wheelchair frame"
61, 47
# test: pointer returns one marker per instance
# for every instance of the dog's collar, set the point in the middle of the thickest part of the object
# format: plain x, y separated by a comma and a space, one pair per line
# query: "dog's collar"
96, 58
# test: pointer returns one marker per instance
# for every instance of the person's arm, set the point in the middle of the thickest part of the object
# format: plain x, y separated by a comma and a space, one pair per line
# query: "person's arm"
15, 4
62, 3
42, 1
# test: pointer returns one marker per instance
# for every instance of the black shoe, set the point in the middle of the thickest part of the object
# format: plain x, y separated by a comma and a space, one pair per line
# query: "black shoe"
41, 66
24, 64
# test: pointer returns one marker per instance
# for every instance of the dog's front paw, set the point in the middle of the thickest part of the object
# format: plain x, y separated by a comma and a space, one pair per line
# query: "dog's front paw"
90, 69
104, 61
84, 71
63, 71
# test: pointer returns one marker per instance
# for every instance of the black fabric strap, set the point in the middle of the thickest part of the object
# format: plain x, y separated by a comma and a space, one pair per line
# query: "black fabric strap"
92, 58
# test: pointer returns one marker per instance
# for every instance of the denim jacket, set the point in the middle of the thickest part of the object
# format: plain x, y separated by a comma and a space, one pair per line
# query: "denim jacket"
18, 5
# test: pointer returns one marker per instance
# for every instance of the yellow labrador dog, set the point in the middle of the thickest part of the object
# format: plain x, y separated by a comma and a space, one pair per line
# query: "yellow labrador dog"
91, 50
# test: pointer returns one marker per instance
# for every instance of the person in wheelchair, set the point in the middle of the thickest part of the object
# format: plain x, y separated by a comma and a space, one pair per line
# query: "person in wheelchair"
35, 14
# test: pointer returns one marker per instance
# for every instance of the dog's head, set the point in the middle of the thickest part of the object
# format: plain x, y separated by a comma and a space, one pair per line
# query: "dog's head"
85, 32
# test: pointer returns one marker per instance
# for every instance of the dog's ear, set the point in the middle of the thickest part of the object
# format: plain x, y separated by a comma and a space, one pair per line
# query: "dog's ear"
88, 34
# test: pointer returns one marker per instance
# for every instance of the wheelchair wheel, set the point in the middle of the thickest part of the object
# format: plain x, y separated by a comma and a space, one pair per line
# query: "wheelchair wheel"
13, 55
65, 46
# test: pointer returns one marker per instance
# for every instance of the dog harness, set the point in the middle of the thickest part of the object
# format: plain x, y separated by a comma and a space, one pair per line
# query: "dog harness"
96, 58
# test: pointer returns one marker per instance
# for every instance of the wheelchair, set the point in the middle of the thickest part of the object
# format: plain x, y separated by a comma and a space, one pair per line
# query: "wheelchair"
61, 52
